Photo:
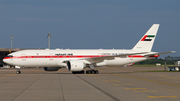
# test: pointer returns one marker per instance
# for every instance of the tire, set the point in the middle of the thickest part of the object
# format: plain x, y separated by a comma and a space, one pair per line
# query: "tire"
82, 72
87, 72
18, 72
97, 72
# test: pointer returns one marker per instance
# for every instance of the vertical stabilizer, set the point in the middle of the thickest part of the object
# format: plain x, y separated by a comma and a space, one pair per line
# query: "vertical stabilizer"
146, 42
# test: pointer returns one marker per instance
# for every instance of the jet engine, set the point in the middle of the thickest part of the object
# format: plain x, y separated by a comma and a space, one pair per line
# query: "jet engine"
75, 65
51, 68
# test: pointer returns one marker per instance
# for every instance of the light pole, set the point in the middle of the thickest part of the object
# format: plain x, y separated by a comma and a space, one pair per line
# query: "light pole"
11, 40
49, 36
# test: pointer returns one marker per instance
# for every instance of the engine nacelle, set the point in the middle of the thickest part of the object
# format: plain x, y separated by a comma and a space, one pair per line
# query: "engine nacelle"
51, 68
75, 65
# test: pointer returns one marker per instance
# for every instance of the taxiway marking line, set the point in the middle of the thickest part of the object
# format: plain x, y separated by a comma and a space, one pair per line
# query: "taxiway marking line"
99, 89
135, 88
122, 84
148, 80
99, 77
111, 80
145, 91
91, 74
162, 96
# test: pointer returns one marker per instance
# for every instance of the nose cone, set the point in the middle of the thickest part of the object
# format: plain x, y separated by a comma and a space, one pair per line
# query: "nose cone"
7, 61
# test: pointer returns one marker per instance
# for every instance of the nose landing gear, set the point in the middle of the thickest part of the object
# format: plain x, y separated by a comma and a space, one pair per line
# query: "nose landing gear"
18, 70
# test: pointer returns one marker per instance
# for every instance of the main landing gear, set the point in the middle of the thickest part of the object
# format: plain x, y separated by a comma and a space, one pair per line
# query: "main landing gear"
92, 71
87, 72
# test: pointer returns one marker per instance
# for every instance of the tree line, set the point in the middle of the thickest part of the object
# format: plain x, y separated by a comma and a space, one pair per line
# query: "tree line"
155, 61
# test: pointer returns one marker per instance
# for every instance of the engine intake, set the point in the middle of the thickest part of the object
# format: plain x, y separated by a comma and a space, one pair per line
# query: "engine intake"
75, 65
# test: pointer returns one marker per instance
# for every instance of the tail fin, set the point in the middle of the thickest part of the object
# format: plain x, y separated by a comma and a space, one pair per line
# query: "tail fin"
146, 42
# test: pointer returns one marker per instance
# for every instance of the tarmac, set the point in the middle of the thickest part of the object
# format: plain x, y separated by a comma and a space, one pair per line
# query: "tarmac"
111, 84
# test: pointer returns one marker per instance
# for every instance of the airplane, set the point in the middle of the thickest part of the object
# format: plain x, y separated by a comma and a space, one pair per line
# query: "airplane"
77, 60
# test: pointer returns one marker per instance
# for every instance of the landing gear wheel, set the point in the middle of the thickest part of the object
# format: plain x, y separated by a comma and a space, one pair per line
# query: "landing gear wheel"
97, 72
88, 72
18, 72
92, 72
82, 72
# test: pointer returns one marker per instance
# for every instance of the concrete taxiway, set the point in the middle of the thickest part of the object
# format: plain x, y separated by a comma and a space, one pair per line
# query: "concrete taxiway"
111, 84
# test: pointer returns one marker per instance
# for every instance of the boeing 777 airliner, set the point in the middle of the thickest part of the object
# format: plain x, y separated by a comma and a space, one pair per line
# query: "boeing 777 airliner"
77, 60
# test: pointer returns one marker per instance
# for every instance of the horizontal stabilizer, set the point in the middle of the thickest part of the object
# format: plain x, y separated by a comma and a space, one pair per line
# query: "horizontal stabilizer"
157, 53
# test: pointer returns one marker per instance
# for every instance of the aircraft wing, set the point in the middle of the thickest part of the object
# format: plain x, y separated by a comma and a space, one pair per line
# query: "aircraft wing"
101, 59
157, 53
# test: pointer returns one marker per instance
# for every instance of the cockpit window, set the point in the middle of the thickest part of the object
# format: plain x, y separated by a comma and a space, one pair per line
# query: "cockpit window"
10, 56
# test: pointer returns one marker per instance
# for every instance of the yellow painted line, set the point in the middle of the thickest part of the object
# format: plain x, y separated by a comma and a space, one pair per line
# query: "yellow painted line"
162, 75
91, 74
135, 88
111, 80
162, 96
99, 77
149, 80
144, 91
122, 84
9, 74
174, 78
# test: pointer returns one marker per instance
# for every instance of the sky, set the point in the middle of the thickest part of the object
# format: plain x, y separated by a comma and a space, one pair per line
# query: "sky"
89, 24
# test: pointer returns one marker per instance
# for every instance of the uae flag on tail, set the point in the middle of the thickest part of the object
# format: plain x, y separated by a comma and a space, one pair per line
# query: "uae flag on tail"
147, 37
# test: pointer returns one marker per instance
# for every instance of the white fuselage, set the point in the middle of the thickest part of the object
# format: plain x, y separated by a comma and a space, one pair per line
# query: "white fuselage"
55, 58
